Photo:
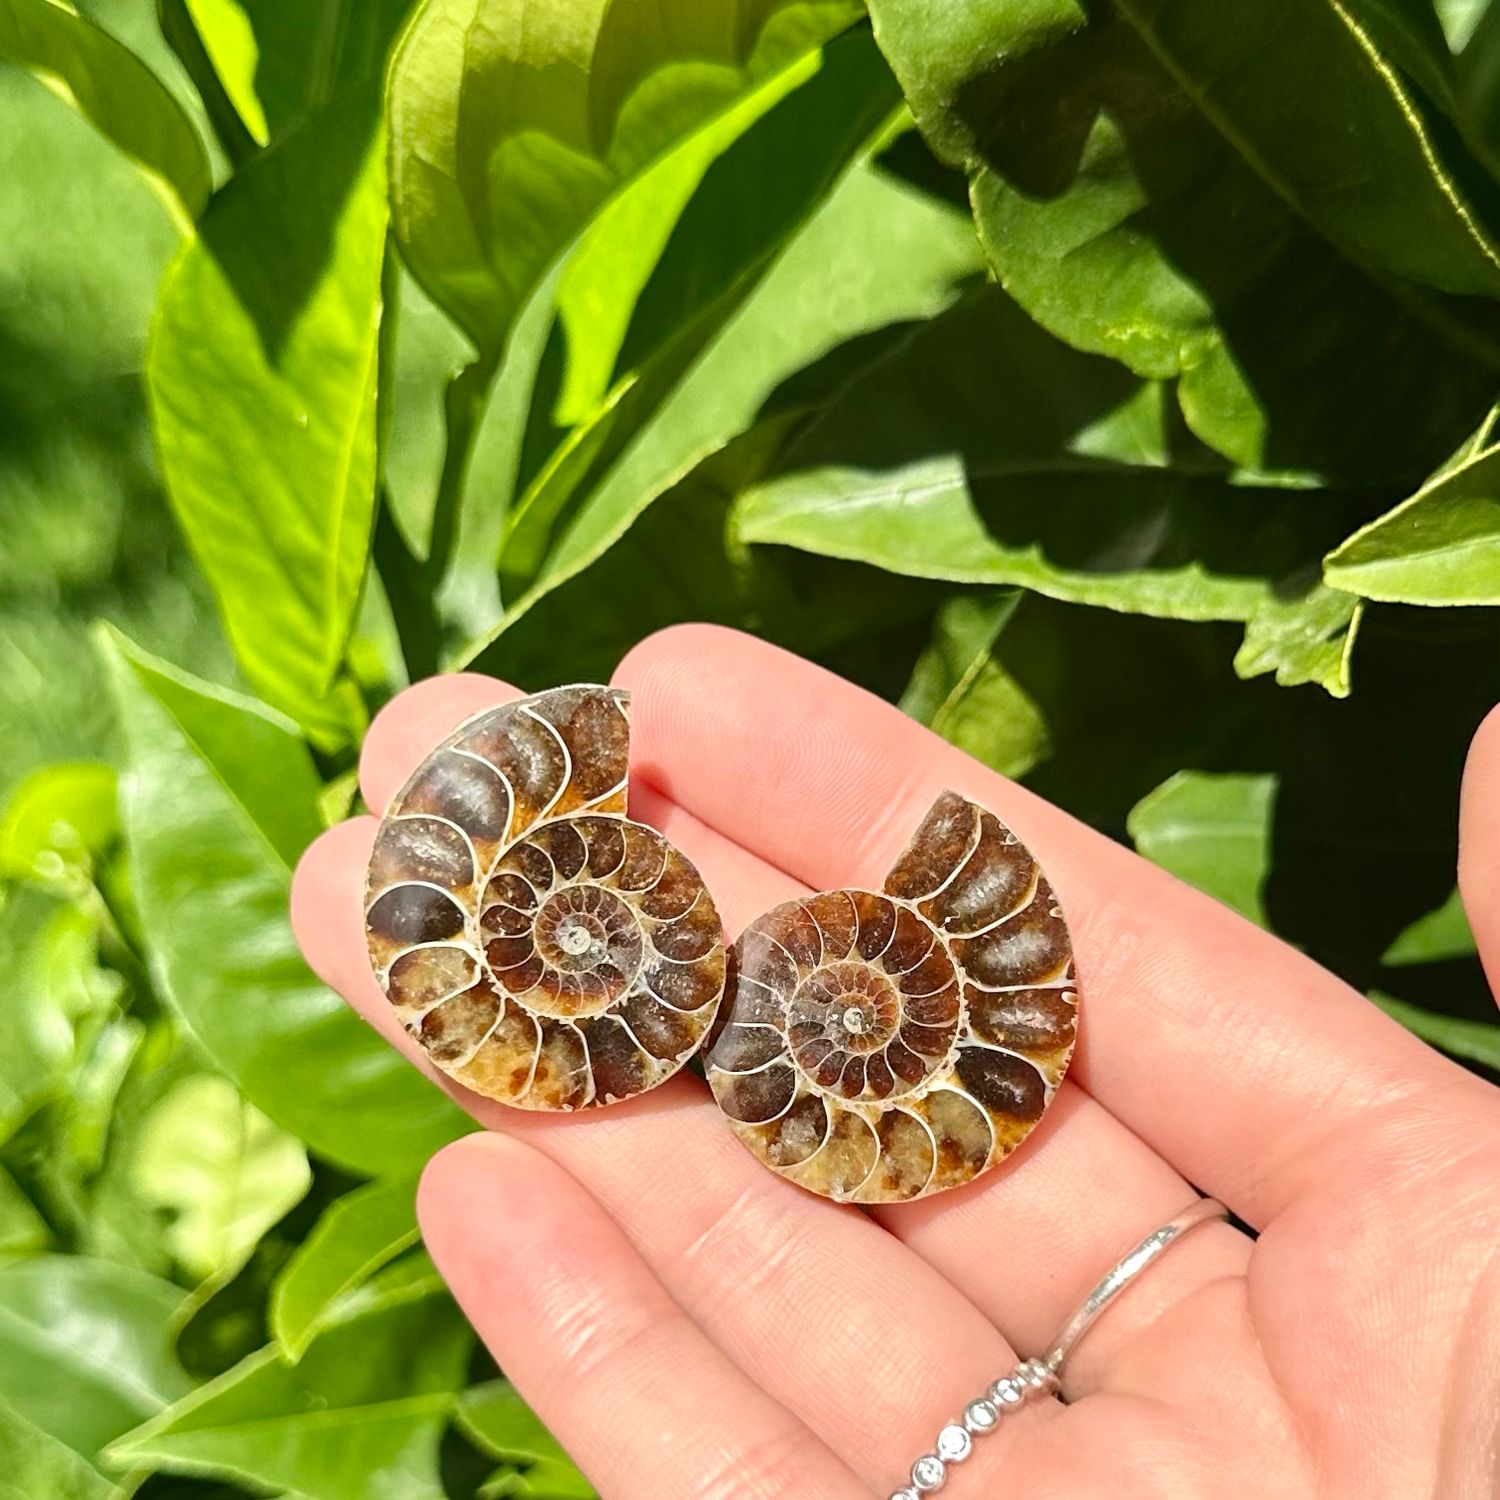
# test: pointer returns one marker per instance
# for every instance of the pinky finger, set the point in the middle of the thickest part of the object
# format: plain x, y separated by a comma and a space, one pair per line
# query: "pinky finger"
631, 1387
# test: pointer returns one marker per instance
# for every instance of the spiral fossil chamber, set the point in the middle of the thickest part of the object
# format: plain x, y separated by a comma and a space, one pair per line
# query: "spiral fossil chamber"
885, 1045
543, 949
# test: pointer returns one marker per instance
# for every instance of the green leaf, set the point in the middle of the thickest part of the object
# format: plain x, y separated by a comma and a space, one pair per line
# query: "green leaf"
116, 92
262, 377
1441, 934
980, 452
878, 254
85, 1347
53, 993
751, 200
500, 1422
358, 1418
1442, 546
220, 1170
961, 690
1303, 632
34, 1464
60, 819
280, 60
1470, 1041
1129, 224
1212, 830
357, 1235
514, 123
23, 1231
220, 800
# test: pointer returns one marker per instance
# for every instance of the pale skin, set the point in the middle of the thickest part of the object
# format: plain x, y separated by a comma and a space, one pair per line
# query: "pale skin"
692, 1327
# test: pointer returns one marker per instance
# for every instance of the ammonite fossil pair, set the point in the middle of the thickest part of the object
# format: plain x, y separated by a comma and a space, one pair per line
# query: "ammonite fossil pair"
550, 953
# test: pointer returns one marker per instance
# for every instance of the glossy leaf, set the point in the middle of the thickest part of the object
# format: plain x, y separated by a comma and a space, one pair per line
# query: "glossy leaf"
359, 1418
85, 1347
749, 202
513, 123
116, 92
262, 378
1212, 830
33, 1465
220, 801
1127, 222
220, 1172
1442, 546
356, 1236
1470, 1041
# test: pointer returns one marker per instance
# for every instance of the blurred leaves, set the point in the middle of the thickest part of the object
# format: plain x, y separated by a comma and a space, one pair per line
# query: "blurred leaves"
119, 95
35, 1464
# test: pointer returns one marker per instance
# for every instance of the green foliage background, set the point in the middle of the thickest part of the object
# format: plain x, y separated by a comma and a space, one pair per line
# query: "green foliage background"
1111, 382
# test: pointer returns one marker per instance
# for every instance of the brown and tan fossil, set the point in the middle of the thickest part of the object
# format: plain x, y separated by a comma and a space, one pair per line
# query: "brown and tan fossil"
885, 1045
542, 948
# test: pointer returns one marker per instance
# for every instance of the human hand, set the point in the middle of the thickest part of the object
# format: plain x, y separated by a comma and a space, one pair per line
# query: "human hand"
692, 1327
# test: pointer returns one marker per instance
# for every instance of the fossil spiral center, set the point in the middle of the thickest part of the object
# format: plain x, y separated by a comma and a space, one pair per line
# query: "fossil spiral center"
590, 950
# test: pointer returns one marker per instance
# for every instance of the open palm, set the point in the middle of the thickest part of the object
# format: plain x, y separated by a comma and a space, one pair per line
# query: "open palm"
692, 1327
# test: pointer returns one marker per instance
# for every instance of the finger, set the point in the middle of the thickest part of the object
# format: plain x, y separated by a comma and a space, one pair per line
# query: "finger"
1278, 1072
814, 1301
1479, 844
646, 1405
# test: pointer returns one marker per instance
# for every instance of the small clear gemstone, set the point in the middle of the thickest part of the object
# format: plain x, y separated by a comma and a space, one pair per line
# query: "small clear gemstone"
1005, 1392
906, 1494
954, 1444
981, 1415
928, 1473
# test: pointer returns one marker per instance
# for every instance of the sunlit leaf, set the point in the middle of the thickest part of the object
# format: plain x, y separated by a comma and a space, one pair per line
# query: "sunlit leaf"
1471, 1041
34, 1465
1443, 933
262, 377
219, 1169
59, 819
500, 1422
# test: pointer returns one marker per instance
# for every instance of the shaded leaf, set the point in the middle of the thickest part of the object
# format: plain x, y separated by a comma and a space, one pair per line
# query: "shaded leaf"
356, 1236
262, 377
500, 1422
220, 1169
514, 123
1470, 1041
85, 1348
358, 1418
116, 92
1212, 830
1118, 214
220, 800
23, 1231
959, 689
33, 1465
1303, 632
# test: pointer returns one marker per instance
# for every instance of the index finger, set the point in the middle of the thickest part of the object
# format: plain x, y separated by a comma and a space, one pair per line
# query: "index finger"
1250, 1068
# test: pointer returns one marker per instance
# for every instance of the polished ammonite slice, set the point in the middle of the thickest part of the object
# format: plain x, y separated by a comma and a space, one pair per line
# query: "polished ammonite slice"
884, 1045
543, 949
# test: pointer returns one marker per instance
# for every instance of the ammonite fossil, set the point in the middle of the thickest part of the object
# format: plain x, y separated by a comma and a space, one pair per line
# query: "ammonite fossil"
880, 1046
542, 948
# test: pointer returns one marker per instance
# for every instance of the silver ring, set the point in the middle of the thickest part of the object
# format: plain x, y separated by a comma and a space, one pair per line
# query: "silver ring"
1041, 1377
